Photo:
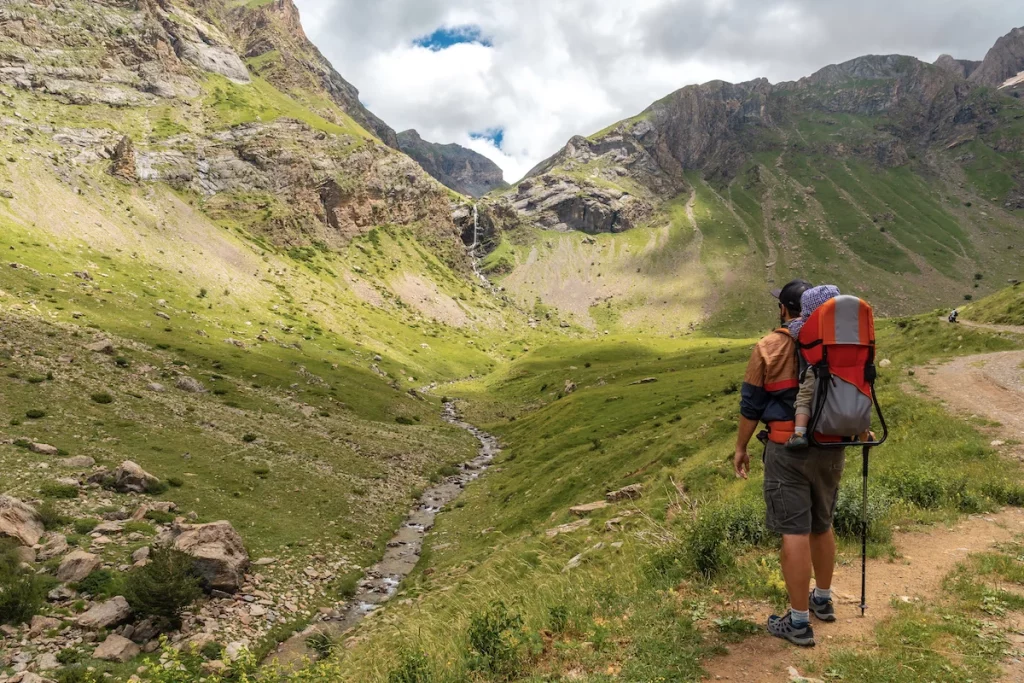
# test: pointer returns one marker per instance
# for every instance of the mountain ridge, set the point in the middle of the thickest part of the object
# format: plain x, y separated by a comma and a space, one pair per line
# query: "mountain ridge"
453, 165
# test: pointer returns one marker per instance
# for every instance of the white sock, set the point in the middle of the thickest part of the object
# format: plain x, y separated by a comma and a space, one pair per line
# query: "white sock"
802, 431
800, 618
822, 594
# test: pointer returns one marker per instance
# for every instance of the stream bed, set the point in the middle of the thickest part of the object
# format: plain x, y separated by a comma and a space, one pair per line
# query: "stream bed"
381, 581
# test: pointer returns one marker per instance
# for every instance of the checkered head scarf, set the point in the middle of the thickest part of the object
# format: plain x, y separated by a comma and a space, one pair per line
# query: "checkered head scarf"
811, 300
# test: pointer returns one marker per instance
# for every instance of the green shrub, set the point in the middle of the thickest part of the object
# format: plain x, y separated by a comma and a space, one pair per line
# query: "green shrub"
558, 619
35, 414
160, 517
403, 420
122, 362
102, 397
706, 547
320, 643
77, 673
262, 471
100, 584
922, 488
249, 438
22, 593
1004, 492
85, 525
494, 640
70, 655
211, 651
413, 667
847, 518
50, 516
176, 482
158, 487
164, 587
54, 490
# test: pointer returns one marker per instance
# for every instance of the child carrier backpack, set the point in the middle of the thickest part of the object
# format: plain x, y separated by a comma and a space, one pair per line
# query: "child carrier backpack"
838, 344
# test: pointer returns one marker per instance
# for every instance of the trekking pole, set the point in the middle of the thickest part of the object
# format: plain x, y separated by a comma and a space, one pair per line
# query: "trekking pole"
864, 535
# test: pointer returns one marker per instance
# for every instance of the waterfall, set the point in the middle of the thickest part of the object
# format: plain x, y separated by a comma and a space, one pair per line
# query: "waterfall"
472, 250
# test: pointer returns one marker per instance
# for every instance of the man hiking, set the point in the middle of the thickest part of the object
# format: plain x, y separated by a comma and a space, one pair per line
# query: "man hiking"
800, 487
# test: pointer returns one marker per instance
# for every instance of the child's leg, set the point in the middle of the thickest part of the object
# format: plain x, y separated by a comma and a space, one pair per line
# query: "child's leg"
803, 404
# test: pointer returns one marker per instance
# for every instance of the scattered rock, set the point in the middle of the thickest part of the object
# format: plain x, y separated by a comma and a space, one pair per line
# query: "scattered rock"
568, 528
884, 363
192, 386
155, 387
40, 625
47, 662
109, 527
141, 554
55, 546
129, 477
19, 521
6, 194
60, 594
631, 492
570, 386
264, 561
102, 346
28, 677
78, 461
106, 614
25, 555
584, 510
116, 649
161, 314
645, 380
220, 556
77, 566
123, 160
43, 448
997, 443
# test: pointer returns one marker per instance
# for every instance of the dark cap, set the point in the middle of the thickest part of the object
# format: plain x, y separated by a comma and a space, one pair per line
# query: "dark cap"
789, 295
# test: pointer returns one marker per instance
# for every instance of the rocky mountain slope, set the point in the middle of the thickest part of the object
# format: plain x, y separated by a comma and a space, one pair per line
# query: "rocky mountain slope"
454, 166
898, 179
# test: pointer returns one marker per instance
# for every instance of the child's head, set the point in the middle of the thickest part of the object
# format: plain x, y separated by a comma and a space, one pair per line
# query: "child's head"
814, 297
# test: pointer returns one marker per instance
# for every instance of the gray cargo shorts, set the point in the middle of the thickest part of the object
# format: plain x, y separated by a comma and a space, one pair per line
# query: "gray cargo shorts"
801, 488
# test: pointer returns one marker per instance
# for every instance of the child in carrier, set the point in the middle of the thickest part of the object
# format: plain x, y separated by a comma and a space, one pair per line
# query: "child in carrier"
809, 303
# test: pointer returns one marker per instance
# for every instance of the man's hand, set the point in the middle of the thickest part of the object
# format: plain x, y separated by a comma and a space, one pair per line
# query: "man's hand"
741, 462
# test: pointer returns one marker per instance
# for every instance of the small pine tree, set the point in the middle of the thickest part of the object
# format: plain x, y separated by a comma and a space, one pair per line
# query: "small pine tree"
165, 586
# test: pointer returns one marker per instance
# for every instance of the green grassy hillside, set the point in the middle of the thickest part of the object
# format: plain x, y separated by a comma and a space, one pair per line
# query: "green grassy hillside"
1005, 307
648, 589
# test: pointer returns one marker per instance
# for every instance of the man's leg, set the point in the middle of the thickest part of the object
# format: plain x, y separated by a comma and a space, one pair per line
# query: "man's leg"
823, 557
796, 568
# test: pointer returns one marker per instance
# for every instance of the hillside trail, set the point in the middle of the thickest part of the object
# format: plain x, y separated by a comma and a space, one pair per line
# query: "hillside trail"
990, 386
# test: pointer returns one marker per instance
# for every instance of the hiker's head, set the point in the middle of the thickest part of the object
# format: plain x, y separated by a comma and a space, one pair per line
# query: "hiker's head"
815, 297
789, 299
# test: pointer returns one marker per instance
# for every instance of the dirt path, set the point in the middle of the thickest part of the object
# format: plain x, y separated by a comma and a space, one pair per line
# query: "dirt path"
989, 386
1011, 329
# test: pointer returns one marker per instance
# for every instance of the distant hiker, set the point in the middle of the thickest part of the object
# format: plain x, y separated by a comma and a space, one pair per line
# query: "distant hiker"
800, 488
954, 315
810, 301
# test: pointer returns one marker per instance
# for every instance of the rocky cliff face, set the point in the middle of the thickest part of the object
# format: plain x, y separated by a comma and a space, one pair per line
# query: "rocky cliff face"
231, 103
454, 166
609, 182
1003, 62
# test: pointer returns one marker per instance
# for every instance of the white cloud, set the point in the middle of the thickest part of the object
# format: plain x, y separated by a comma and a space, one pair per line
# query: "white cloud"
558, 68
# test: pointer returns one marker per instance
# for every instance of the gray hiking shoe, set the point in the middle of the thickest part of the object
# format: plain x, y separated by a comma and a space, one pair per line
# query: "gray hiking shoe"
783, 627
823, 610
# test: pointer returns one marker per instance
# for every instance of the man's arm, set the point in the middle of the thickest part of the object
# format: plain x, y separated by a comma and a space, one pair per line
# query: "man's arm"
753, 401
741, 462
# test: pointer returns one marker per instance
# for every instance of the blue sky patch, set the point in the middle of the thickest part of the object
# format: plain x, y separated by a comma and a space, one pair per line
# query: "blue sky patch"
446, 36
495, 135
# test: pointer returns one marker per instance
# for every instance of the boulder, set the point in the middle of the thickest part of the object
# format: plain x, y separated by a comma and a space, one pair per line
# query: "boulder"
43, 448
56, 545
28, 677
19, 521
102, 346
631, 492
47, 662
192, 386
106, 614
78, 461
116, 649
41, 624
129, 477
568, 528
25, 554
77, 566
584, 510
218, 552
123, 160
141, 554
